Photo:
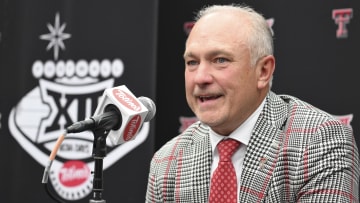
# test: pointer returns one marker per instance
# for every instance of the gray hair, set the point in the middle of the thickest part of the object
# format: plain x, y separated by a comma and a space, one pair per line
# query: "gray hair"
259, 37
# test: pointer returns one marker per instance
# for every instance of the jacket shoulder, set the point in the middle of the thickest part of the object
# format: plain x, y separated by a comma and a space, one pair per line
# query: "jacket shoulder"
194, 133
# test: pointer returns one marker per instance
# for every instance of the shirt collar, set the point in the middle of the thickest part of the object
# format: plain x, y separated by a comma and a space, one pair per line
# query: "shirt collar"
242, 133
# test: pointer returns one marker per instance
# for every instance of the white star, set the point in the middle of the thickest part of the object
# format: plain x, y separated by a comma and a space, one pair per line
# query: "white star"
56, 36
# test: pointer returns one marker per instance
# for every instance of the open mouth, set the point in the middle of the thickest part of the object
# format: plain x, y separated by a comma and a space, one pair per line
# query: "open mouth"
207, 98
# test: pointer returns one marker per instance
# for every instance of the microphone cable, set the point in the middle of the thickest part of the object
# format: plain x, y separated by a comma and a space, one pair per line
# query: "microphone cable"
47, 168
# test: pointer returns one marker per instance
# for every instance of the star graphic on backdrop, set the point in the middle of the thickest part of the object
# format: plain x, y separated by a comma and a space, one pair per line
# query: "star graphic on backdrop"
56, 36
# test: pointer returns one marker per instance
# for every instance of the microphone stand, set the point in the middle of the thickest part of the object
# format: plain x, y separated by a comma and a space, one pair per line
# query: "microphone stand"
99, 152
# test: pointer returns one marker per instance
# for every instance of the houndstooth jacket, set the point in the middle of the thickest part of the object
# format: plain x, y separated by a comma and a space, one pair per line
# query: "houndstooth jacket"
297, 153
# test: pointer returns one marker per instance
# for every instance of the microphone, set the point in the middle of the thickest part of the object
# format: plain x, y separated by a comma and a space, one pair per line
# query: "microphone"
119, 112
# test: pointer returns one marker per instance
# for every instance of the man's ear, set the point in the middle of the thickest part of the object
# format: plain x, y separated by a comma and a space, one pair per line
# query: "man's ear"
265, 69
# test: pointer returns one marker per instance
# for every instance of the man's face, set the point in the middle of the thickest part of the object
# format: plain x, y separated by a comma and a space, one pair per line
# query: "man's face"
221, 86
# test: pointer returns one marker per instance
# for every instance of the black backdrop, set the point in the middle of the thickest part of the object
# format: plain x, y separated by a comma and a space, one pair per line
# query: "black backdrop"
313, 63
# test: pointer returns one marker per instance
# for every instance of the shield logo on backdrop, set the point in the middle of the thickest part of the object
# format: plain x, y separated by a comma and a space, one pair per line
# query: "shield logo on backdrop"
68, 91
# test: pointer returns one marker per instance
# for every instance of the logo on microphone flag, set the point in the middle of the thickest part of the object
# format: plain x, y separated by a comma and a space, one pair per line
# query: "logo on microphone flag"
133, 113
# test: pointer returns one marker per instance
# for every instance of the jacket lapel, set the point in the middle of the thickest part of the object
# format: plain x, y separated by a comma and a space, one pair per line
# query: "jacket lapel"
263, 149
196, 165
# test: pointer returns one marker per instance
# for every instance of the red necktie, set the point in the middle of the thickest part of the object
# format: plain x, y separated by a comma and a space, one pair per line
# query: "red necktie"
223, 182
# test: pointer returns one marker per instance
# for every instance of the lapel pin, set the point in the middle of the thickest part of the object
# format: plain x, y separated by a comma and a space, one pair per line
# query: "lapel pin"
262, 162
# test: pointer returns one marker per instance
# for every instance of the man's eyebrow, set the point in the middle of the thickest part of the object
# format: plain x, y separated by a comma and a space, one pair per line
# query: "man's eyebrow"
211, 53
188, 54
218, 52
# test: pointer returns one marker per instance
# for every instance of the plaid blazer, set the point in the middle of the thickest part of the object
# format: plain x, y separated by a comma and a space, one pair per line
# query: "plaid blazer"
296, 153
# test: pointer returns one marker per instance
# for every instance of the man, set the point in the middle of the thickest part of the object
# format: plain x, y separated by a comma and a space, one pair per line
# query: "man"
289, 151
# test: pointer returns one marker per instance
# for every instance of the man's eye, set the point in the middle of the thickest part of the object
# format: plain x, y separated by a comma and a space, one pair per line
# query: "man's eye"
221, 60
191, 63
